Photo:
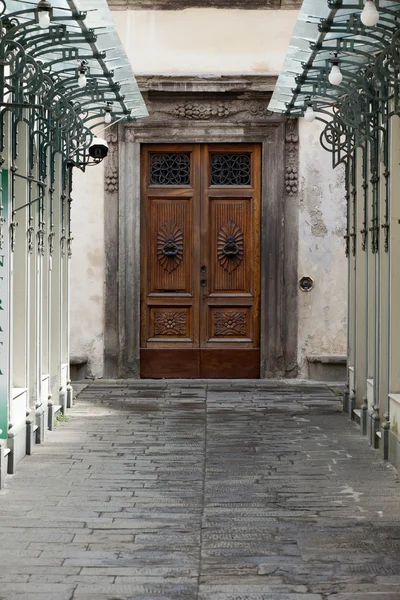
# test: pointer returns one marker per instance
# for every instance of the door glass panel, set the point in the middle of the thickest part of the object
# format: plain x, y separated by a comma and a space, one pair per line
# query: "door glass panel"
169, 169
230, 169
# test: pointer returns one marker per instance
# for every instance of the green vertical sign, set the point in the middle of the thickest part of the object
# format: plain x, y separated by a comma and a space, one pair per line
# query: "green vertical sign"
4, 315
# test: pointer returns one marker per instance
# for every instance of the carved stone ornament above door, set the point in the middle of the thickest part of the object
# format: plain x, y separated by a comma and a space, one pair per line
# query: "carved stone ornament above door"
190, 102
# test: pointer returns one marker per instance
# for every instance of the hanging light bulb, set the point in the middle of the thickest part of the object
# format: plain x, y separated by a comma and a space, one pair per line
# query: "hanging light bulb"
82, 70
335, 76
370, 14
44, 13
82, 80
107, 116
309, 115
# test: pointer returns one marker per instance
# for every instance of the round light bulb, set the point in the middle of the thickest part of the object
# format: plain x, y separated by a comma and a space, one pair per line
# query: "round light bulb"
370, 14
107, 117
309, 115
335, 76
44, 19
82, 80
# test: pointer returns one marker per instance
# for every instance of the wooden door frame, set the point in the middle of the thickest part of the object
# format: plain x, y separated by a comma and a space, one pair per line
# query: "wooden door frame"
225, 117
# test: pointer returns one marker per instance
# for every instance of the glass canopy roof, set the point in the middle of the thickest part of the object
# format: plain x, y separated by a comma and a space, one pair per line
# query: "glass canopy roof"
323, 28
89, 33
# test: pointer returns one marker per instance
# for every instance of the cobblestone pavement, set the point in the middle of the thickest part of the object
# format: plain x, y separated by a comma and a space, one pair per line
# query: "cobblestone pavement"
202, 491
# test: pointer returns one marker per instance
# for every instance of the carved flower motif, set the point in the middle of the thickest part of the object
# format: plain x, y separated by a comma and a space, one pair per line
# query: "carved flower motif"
230, 323
201, 112
170, 323
259, 109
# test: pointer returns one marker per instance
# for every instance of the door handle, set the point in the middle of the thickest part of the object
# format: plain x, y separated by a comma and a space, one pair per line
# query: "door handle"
203, 269
203, 283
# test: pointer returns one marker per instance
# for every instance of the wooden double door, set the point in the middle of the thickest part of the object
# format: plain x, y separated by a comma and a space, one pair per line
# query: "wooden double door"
200, 262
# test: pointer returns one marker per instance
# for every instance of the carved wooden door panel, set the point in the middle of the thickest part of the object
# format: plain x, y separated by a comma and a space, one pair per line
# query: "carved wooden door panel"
200, 261
170, 243
230, 256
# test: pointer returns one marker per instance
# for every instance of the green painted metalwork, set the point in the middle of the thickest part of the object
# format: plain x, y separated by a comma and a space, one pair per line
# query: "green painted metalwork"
4, 321
39, 72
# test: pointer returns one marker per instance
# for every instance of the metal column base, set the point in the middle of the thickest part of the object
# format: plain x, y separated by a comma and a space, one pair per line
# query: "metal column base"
30, 436
63, 400
4, 451
346, 401
70, 395
364, 417
352, 405
41, 422
385, 429
374, 428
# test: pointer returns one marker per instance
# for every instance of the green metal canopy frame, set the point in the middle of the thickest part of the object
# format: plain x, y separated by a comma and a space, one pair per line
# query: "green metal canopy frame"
39, 69
369, 58
343, 68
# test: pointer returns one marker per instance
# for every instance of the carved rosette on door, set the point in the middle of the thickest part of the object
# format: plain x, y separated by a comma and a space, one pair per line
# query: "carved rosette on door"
200, 262
230, 246
170, 246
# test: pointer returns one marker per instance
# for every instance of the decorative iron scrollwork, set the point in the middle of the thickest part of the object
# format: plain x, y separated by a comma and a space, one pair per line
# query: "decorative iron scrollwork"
231, 169
230, 246
170, 169
170, 246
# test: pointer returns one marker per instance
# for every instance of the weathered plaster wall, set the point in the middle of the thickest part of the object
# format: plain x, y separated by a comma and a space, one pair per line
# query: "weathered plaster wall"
87, 269
322, 223
206, 40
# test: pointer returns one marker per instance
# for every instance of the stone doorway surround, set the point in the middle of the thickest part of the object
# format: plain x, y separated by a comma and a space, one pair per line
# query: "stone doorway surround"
204, 109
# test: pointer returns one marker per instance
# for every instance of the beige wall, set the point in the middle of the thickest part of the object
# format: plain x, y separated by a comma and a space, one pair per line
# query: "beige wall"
87, 268
206, 40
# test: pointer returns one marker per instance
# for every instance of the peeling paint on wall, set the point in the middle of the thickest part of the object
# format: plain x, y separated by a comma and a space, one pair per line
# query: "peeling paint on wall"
322, 225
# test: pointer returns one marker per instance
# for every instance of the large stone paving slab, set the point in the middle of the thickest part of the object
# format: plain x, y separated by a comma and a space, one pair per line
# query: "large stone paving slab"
202, 491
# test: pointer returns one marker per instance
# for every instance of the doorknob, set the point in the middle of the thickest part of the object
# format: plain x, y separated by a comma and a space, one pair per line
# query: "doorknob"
203, 283
203, 269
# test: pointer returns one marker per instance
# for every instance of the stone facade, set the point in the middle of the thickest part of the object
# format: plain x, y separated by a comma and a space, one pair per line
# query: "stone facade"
221, 107
204, 110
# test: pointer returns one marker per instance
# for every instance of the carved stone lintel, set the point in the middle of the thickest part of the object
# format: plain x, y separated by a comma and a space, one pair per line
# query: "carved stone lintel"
232, 110
292, 158
111, 164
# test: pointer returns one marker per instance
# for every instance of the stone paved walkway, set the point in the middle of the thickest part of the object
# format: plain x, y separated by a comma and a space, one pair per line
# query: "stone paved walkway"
198, 491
